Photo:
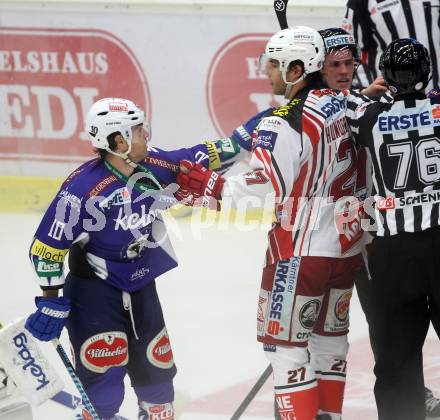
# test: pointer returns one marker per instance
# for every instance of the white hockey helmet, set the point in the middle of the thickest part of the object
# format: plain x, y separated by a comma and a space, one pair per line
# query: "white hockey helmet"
297, 43
113, 115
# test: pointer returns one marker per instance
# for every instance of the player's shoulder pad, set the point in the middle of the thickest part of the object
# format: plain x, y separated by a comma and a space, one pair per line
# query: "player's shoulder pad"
326, 103
77, 173
159, 158
368, 114
290, 113
286, 111
321, 93
89, 180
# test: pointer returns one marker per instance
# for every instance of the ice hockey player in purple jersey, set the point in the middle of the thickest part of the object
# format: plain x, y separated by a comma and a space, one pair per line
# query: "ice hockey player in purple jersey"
107, 217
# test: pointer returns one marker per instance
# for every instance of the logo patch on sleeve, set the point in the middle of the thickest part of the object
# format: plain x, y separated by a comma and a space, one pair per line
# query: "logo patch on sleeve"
214, 158
46, 268
266, 139
46, 252
159, 351
105, 350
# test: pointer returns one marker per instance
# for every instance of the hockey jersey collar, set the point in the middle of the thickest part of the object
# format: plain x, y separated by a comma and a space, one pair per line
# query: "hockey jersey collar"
147, 181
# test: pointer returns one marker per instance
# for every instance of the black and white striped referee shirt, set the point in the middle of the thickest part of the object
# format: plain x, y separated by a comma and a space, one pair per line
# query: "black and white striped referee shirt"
375, 23
403, 141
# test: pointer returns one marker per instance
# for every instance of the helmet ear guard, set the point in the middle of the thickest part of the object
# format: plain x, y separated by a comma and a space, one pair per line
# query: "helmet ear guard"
405, 66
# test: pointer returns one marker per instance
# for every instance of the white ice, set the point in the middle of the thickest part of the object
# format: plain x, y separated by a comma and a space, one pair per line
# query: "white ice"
209, 303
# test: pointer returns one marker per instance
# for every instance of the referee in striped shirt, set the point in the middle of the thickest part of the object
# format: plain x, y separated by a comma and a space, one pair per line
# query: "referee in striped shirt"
403, 140
375, 23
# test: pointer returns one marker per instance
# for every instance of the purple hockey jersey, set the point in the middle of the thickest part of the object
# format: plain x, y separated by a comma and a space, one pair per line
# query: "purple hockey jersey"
113, 226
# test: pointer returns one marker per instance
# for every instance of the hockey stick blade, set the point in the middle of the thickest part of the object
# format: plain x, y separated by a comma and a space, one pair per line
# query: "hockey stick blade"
71, 371
280, 7
254, 391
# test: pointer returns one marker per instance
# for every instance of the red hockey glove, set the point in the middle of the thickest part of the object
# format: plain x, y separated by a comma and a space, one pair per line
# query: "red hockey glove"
195, 179
186, 197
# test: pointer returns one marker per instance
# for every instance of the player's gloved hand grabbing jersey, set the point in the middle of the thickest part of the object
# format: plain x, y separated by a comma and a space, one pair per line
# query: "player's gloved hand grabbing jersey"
242, 136
199, 181
47, 322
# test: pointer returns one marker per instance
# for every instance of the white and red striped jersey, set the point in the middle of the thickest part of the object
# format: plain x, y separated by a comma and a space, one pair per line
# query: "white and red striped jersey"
304, 156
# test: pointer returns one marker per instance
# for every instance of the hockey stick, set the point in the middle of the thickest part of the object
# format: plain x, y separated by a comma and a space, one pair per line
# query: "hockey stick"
280, 7
249, 397
79, 386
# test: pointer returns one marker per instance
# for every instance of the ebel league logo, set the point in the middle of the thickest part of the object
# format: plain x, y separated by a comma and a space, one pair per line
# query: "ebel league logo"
236, 87
49, 78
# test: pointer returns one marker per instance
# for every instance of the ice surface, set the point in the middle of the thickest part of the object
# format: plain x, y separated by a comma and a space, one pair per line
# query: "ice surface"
209, 303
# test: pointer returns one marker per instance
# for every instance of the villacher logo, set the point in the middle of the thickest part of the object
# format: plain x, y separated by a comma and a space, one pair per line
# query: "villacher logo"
103, 351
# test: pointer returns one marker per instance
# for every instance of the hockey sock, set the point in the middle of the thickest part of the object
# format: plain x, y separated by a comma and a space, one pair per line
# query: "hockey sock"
296, 388
328, 358
298, 405
331, 396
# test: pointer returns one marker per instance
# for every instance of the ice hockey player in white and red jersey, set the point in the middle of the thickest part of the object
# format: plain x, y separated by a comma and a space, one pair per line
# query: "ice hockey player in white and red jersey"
298, 158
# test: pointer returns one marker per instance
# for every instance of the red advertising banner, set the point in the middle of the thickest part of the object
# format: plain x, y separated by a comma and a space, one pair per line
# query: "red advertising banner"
236, 87
49, 78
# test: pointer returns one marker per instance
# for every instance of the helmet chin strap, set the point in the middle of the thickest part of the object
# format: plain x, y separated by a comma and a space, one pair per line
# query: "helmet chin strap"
289, 85
124, 156
129, 162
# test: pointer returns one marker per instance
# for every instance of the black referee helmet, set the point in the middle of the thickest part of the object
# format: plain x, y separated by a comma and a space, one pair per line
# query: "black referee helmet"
405, 66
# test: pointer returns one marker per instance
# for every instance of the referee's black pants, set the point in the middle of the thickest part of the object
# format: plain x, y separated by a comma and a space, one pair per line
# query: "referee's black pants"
405, 296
